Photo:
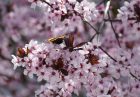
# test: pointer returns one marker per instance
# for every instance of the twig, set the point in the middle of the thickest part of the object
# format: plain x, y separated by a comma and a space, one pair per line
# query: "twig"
107, 54
92, 37
116, 35
47, 3
97, 32
100, 3
134, 76
91, 26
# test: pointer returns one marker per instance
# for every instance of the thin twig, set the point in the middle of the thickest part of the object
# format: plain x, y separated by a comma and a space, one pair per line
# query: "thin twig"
97, 32
134, 76
115, 33
107, 54
100, 3
47, 3
92, 37
91, 26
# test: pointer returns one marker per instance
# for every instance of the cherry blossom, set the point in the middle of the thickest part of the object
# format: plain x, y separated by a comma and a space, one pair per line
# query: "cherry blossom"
69, 48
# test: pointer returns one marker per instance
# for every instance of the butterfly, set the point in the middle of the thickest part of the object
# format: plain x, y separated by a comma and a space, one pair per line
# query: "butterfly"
68, 41
57, 40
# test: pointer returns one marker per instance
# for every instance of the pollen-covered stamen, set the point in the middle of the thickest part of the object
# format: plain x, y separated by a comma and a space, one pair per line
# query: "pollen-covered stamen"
59, 65
93, 59
22, 53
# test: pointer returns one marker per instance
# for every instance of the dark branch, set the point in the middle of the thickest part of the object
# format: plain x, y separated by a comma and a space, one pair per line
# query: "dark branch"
92, 37
115, 33
101, 2
107, 54
92, 26
47, 3
134, 76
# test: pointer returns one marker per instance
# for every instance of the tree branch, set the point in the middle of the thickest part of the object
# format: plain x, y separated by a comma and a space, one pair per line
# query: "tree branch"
107, 54
115, 33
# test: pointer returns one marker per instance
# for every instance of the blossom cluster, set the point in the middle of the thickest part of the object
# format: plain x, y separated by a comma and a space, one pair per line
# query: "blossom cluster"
68, 16
64, 71
74, 58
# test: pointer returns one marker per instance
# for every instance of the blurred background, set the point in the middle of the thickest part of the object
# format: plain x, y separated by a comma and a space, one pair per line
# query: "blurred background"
18, 24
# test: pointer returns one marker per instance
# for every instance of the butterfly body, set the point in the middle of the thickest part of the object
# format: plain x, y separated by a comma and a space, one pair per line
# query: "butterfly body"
57, 40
